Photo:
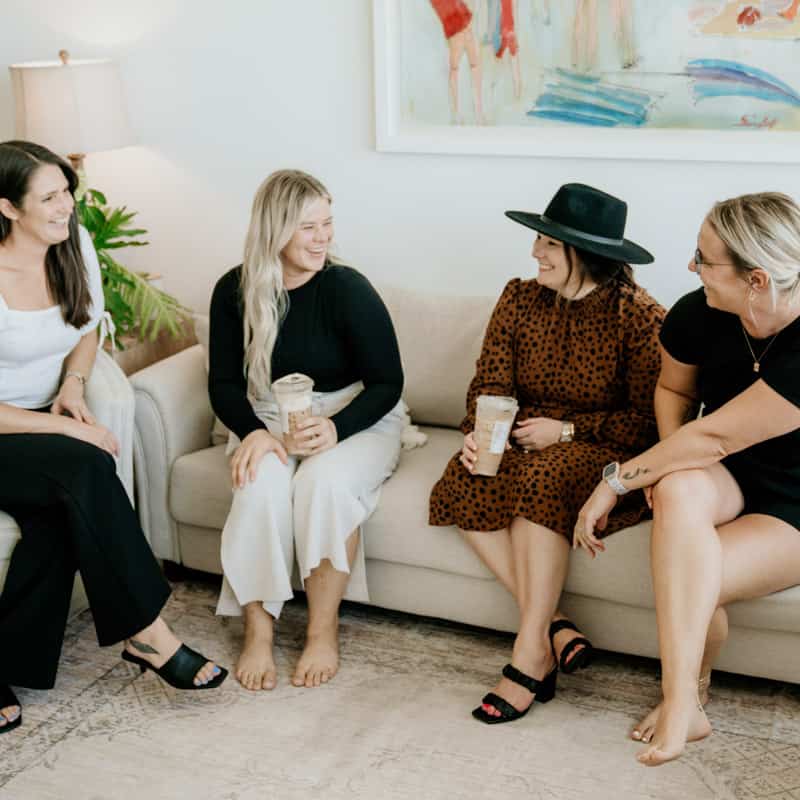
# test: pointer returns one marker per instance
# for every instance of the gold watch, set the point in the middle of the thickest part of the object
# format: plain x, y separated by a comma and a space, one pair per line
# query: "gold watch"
567, 432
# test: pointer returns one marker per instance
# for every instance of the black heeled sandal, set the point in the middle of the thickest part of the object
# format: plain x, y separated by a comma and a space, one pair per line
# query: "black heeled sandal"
543, 691
180, 670
582, 658
8, 698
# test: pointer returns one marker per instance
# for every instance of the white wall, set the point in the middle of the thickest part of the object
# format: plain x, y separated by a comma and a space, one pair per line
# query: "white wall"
219, 98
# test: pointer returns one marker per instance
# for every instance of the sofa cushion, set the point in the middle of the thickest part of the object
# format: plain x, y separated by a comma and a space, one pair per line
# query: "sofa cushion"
200, 490
440, 338
398, 531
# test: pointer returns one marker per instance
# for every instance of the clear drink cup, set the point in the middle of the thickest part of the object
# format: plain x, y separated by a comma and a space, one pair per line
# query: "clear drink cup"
493, 420
293, 395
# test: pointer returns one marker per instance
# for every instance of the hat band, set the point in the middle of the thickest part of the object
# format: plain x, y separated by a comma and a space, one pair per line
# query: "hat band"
590, 237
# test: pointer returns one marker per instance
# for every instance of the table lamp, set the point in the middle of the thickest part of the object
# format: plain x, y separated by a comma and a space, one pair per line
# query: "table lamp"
71, 107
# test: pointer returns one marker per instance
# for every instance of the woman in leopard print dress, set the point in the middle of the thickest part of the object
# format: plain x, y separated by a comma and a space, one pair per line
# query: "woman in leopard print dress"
578, 348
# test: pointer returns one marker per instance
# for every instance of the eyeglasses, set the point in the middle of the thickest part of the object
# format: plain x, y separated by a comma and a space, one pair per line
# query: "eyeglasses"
700, 261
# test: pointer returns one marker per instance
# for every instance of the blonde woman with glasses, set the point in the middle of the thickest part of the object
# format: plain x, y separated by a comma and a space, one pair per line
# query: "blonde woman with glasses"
290, 309
725, 488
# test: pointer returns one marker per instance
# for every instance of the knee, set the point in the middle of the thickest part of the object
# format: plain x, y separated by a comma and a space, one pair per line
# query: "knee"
316, 477
684, 489
93, 464
271, 477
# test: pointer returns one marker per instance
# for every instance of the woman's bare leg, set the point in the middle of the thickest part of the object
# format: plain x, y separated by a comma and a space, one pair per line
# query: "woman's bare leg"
255, 668
717, 634
325, 587
698, 567
541, 559
494, 549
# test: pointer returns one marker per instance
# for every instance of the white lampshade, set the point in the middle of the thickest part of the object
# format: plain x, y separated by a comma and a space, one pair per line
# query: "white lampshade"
77, 107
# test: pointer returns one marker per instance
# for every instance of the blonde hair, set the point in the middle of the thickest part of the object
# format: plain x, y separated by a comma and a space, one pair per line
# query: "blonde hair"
277, 210
762, 231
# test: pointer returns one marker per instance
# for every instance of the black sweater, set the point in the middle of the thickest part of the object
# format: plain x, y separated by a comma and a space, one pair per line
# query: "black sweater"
337, 331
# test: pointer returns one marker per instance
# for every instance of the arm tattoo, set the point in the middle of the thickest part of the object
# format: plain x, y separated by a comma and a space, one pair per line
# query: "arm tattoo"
143, 648
629, 476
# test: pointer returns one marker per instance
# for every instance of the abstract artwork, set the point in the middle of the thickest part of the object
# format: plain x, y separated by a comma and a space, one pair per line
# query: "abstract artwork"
536, 76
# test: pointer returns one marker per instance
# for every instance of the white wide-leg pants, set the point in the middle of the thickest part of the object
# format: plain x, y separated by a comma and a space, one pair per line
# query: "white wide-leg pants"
305, 510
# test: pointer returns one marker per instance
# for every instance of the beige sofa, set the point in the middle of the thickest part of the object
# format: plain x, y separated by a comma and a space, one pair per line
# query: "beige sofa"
184, 495
110, 397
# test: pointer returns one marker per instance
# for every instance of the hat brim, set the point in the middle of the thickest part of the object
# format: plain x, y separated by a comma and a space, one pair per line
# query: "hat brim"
628, 252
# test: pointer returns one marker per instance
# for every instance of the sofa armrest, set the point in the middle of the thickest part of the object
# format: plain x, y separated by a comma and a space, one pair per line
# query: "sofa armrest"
110, 397
173, 418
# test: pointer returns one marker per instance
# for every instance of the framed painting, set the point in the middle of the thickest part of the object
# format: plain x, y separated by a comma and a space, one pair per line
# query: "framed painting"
710, 80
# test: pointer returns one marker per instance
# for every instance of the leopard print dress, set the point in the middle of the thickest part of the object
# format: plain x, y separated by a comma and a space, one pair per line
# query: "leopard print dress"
593, 362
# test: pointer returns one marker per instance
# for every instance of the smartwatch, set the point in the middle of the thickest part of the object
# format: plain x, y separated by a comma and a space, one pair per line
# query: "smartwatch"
611, 477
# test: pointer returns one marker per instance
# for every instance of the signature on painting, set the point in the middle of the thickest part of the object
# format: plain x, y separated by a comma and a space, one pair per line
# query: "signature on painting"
752, 121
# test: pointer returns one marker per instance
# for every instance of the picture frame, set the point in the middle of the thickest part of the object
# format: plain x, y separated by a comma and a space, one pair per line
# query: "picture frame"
394, 133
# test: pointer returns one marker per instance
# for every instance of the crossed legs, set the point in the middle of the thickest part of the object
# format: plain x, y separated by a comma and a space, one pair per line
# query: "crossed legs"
531, 562
704, 557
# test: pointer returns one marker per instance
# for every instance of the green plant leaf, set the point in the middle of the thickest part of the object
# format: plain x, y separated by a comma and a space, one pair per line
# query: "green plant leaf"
134, 304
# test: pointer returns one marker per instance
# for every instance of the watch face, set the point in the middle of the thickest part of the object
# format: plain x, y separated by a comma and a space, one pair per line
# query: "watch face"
610, 470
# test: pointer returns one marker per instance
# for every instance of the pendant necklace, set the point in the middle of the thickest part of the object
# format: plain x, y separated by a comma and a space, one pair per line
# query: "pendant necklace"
757, 361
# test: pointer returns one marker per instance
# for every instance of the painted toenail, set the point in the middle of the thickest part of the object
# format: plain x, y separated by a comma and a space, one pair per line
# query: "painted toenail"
216, 670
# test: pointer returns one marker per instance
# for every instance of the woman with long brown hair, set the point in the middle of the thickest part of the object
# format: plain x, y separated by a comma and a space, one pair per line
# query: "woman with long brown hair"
57, 473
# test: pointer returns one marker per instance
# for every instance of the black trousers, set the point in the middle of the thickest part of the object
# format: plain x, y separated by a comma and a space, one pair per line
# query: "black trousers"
74, 515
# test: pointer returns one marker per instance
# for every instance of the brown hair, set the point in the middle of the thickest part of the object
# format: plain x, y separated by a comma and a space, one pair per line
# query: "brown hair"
599, 269
67, 279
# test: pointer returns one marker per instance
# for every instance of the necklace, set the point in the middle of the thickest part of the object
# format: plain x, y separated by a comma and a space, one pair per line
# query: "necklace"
757, 361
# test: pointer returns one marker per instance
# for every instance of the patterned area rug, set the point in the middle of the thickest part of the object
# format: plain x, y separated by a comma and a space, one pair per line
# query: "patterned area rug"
394, 723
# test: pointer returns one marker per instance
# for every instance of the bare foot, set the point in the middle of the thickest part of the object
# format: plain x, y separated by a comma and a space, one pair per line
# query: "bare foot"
156, 644
679, 721
537, 662
319, 661
255, 669
643, 732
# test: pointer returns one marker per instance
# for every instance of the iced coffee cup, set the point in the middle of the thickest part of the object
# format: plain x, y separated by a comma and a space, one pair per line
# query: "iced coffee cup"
293, 395
493, 421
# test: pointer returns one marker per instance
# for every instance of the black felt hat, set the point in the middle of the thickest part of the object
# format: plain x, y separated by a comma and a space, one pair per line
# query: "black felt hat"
587, 218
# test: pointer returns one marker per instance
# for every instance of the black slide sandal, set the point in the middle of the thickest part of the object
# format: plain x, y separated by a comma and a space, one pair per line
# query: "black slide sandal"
543, 691
582, 658
179, 671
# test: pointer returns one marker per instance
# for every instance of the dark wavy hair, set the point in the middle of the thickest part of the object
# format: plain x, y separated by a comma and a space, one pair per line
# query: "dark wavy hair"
599, 269
67, 278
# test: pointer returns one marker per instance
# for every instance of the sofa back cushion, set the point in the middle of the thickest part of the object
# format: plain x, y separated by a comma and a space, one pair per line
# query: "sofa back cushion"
440, 338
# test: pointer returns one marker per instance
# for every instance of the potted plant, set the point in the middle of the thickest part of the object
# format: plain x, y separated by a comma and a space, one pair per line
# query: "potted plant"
136, 306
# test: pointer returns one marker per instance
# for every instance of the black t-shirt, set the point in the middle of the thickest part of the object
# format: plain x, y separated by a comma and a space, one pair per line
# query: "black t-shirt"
713, 340
337, 331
